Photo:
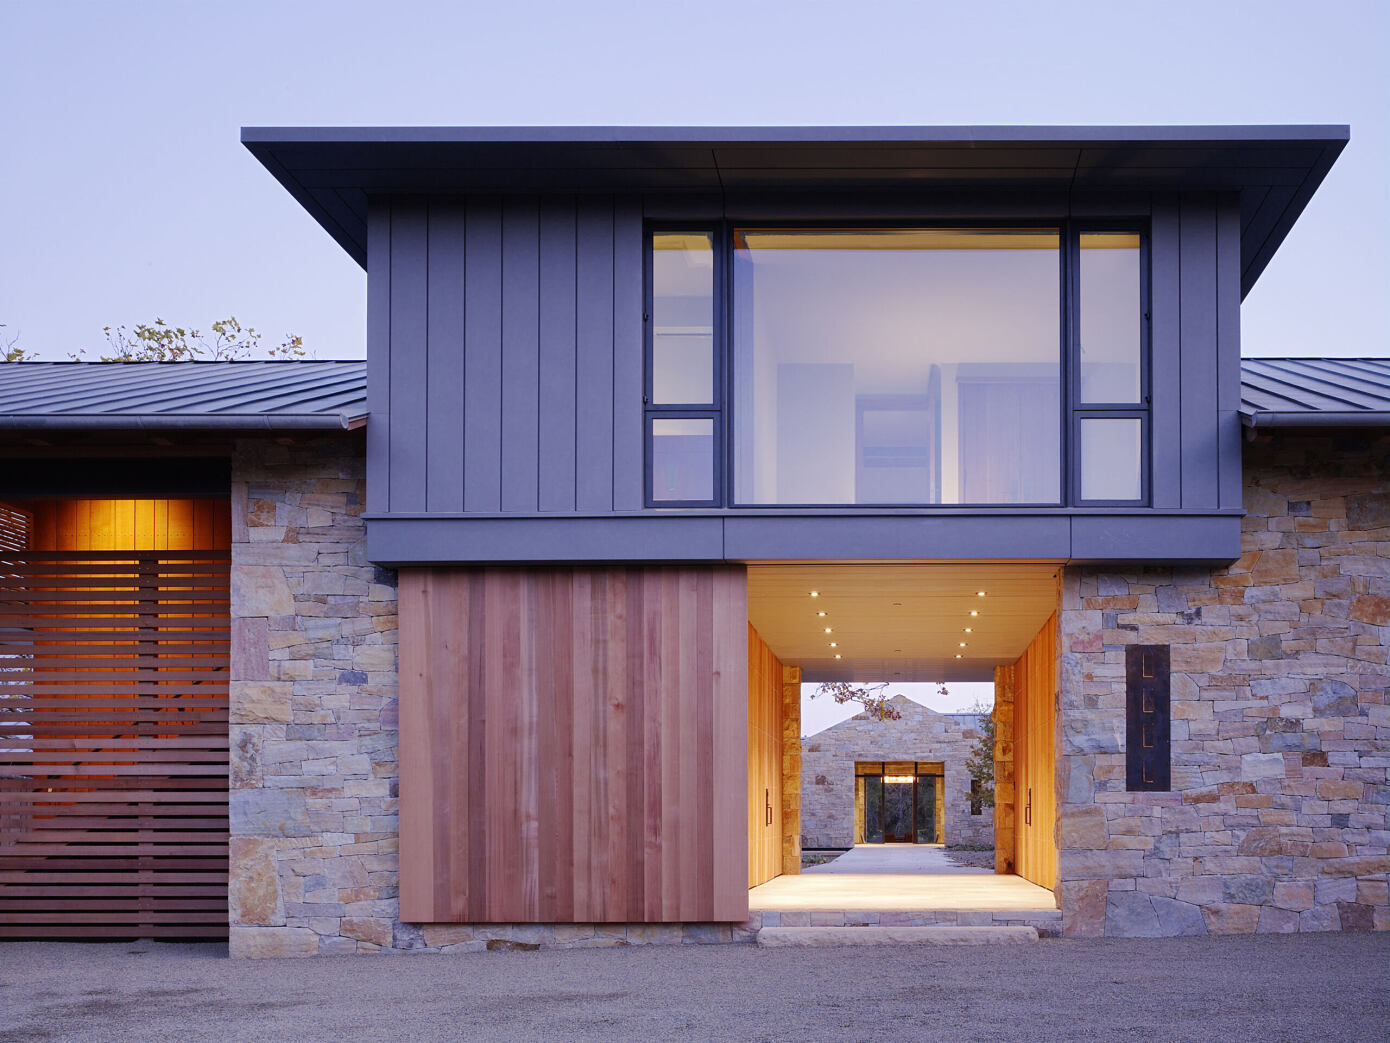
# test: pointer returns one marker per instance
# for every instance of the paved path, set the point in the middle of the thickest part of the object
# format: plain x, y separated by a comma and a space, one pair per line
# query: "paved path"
895, 858
1327, 987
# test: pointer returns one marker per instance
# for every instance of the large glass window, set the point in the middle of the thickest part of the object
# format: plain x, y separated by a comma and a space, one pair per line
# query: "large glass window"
897, 366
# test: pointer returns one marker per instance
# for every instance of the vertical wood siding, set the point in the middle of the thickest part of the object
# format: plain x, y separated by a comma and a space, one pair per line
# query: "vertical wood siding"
1035, 758
764, 761
505, 355
573, 745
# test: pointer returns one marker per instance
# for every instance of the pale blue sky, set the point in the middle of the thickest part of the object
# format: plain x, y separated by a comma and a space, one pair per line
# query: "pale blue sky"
125, 193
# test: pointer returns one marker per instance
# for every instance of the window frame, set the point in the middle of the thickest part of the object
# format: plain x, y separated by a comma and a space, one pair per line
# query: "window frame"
713, 411
1142, 410
1071, 411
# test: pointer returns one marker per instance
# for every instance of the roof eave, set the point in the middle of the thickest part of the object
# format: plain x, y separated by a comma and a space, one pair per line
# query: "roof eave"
1307, 418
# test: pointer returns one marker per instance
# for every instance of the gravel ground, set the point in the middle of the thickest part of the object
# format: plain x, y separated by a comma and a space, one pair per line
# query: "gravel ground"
1321, 987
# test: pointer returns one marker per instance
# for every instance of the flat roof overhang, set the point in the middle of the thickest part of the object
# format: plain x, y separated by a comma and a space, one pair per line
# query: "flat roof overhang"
332, 171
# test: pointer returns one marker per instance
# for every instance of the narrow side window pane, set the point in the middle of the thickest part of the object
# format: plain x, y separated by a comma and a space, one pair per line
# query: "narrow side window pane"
1111, 464
1111, 317
683, 318
683, 459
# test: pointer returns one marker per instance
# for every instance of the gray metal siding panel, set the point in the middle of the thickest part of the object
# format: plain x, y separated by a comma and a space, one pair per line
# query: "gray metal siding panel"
1228, 278
379, 357
557, 355
1165, 353
520, 354
594, 355
409, 354
399, 541
1155, 539
629, 482
482, 382
1199, 352
887, 537
444, 423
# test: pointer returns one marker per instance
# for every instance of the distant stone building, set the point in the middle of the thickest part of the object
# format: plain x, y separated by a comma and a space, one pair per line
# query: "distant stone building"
843, 767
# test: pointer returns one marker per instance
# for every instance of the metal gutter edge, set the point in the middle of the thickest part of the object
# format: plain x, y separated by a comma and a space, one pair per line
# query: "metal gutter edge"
183, 422
1308, 418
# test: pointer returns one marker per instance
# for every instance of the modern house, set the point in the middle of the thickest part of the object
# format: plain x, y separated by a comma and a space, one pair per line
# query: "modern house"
658, 424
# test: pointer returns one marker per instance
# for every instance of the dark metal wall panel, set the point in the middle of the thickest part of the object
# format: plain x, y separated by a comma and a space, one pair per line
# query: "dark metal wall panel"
1166, 357
1155, 538
558, 326
520, 354
884, 537
628, 443
482, 381
434, 541
379, 356
1228, 277
594, 354
1198, 330
409, 354
444, 369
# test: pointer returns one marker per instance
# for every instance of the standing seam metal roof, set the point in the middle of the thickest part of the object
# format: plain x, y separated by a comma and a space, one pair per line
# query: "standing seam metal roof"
1288, 392
245, 394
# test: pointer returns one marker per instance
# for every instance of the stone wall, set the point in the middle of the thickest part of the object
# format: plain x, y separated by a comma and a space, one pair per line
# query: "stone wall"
1277, 818
314, 833
827, 772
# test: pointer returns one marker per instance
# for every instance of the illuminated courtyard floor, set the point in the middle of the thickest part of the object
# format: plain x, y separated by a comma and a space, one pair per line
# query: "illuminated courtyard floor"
898, 878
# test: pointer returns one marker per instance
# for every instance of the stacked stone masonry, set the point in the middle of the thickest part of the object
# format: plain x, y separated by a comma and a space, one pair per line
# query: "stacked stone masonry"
1277, 818
920, 734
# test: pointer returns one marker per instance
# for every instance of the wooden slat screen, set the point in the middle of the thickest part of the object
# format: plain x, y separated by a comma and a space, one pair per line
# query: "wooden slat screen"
113, 744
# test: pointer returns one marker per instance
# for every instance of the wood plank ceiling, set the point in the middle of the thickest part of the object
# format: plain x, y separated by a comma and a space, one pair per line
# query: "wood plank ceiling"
900, 622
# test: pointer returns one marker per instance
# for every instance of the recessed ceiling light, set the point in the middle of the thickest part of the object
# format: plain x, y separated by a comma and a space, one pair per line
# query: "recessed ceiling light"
957, 655
979, 593
837, 657
834, 644
897, 604
828, 630
970, 630
815, 593
973, 612
820, 613
962, 644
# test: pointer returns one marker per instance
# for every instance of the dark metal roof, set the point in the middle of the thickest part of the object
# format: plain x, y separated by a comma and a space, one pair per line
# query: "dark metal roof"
332, 171
199, 395
1315, 392
1303, 392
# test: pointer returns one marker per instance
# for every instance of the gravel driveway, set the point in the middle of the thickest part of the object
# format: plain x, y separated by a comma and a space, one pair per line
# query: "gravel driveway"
1294, 987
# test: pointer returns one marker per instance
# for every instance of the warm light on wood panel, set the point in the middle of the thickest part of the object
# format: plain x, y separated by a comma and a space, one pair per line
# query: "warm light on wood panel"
764, 761
109, 524
573, 745
1035, 759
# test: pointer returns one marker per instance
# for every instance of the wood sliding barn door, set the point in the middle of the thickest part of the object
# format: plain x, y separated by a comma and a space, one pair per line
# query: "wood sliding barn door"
573, 744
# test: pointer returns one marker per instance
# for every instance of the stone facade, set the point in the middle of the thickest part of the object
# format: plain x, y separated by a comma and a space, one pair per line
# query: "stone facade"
1277, 818
827, 772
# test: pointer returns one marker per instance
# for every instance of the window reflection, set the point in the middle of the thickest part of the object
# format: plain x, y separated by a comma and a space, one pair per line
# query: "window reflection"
897, 366
682, 318
1111, 317
1111, 461
683, 459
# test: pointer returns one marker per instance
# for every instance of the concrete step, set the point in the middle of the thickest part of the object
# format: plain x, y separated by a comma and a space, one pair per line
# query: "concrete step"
818, 937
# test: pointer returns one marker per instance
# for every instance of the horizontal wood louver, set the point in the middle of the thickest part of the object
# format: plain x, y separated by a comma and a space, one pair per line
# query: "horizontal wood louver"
113, 744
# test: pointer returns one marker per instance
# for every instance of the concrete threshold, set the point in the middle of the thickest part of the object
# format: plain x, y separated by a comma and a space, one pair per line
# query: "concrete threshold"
823, 937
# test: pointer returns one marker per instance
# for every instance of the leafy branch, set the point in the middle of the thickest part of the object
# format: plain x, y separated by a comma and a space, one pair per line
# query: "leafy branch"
226, 339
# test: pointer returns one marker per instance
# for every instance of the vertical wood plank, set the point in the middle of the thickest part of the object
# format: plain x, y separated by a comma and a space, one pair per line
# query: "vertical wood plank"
379, 355
558, 324
594, 355
520, 354
1199, 352
444, 349
418, 771
629, 482
410, 376
482, 367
